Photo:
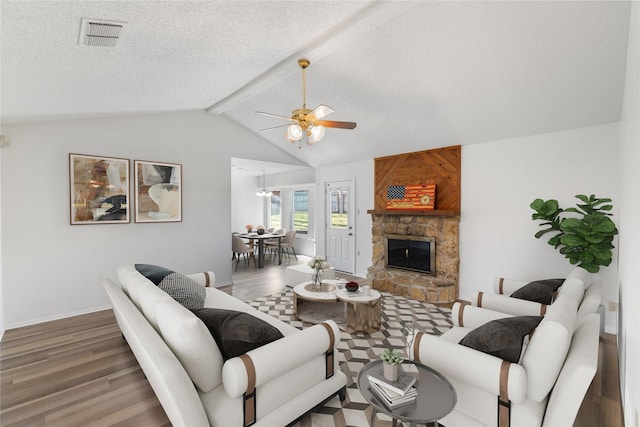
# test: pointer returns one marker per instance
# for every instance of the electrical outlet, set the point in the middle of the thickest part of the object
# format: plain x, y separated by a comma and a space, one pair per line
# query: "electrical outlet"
613, 306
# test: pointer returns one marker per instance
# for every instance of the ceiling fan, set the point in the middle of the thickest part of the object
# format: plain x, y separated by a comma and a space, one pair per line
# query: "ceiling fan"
305, 121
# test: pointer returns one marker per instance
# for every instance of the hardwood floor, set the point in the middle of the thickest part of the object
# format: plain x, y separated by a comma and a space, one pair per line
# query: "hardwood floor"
80, 372
602, 405
74, 372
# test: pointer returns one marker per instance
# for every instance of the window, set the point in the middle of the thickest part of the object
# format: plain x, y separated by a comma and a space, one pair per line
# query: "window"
339, 208
275, 212
301, 211
291, 209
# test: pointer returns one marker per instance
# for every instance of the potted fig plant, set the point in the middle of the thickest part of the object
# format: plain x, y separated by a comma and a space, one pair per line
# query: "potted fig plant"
585, 239
391, 360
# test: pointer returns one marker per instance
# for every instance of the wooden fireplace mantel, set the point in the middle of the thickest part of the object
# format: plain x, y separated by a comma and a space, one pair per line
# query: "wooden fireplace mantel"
413, 212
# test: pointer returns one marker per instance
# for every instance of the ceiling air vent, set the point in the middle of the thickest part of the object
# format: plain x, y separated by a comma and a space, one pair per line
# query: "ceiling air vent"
98, 32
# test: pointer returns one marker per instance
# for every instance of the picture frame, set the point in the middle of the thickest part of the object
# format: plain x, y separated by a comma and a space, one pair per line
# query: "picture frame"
158, 191
98, 189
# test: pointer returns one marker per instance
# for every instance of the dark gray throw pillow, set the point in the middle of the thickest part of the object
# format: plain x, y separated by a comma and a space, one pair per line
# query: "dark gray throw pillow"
540, 291
236, 332
155, 273
184, 289
502, 337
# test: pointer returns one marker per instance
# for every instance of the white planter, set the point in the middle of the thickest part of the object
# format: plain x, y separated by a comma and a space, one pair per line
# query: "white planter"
390, 372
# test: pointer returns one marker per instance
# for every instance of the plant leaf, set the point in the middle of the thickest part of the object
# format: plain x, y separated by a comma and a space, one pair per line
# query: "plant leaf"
583, 198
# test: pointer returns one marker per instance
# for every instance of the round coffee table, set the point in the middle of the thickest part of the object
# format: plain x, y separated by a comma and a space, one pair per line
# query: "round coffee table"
362, 311
305, 291
436, 396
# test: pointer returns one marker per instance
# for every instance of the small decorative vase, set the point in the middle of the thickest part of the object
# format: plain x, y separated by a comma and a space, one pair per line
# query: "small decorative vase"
260, 231
317, 279
249, 230
390, 372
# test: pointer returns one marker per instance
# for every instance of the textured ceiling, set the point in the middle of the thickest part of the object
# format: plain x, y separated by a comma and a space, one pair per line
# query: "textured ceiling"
413, 75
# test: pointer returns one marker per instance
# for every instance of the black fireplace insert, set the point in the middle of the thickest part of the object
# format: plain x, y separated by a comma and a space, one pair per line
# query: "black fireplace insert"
413, 253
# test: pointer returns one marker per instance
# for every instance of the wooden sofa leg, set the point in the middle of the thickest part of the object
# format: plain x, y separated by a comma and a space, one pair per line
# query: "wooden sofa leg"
342, 394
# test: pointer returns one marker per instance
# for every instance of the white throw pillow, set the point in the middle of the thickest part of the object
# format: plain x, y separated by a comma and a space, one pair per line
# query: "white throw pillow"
134, 283
191, 342
148, 296
123, 273
547, 349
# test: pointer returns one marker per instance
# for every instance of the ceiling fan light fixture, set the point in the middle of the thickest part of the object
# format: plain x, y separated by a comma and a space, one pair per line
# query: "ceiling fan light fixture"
306, 121
316, 134
294, 133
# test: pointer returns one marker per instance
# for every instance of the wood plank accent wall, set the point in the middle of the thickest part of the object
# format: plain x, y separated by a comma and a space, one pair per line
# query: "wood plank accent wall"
440, 166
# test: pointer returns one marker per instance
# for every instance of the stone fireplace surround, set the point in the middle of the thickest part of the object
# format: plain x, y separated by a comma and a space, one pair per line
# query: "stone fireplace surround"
441, 166
441, 288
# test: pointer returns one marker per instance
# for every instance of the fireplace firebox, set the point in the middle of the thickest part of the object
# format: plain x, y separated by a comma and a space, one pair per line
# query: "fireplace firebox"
413, 253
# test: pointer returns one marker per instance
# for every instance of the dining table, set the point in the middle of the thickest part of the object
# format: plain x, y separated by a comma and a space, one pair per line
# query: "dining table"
261, 238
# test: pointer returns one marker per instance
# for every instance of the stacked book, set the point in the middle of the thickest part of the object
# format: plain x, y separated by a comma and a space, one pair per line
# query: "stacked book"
394, 393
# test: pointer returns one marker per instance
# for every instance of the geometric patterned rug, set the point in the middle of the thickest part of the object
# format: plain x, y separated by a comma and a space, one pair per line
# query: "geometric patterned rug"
356, 350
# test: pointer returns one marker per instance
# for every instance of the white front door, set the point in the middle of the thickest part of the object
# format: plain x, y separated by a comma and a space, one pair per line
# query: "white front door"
340, 233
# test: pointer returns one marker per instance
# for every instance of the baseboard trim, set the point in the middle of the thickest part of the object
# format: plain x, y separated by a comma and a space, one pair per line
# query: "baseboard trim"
54, 317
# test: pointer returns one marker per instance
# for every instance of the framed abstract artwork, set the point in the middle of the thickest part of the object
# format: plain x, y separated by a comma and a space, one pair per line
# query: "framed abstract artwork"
158, 191
99, 189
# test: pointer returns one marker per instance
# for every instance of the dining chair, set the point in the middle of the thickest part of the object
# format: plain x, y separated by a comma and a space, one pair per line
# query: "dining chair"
287, 243
271, 245
239, 247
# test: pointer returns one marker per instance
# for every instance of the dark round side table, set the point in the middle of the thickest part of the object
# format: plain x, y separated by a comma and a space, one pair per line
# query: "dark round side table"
436, 396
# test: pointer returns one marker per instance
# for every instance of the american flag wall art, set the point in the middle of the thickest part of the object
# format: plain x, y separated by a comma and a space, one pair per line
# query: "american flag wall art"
419, 196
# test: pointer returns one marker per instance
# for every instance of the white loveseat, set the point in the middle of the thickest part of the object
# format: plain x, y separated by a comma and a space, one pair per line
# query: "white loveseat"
185, 368
545, 388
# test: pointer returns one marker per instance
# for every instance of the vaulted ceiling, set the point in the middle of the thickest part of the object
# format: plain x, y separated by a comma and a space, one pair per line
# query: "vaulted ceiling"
413, 75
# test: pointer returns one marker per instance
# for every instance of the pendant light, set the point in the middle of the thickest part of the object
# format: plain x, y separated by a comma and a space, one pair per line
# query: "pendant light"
263, 191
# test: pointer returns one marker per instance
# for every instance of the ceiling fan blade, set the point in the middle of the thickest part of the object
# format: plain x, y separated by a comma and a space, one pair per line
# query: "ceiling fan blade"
274, 115
321, 111
334, 124
274, 127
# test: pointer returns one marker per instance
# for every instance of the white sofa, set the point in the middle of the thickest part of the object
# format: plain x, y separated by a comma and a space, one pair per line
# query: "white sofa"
545, 388
585, 288
195, 386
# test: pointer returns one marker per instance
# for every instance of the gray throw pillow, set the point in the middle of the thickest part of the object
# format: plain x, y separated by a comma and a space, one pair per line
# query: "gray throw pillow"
236, 332
502, 337
540, 291
184, 289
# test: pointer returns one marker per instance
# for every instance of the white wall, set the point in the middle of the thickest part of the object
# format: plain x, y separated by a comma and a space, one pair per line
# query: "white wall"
2, 328
50, 268
629, 333
293, 178
362, 174
246, 207
499, 181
